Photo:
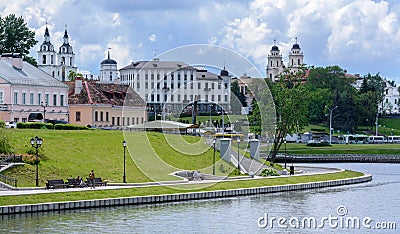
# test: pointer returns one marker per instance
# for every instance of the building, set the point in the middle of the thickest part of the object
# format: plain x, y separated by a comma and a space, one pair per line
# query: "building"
275, 64
25, 90
104, 105
170, 87
108, 70
391, 100
57, 65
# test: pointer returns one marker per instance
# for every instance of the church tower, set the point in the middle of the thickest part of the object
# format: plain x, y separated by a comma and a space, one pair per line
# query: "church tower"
66, 58
108, 70
295, 58
274, 64
47, 55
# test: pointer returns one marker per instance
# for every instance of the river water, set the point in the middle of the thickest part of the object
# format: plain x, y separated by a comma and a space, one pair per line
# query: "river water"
374, 206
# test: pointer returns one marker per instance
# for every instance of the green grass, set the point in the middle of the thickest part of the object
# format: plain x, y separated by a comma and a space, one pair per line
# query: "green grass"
72, 153
157, 190
297, 148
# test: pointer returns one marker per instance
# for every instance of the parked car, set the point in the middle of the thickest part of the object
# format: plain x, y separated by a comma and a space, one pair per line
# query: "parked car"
54, 121
11, 124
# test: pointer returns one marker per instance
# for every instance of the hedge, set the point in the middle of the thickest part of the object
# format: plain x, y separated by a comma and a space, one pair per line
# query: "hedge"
40, 125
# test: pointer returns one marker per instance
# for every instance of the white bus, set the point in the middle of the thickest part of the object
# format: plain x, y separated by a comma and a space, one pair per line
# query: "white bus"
394, 139
376, 139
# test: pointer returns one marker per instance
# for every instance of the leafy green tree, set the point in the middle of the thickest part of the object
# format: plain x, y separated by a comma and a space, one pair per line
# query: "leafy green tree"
16, 37
291, 104
238, 100
255, 118
72, 75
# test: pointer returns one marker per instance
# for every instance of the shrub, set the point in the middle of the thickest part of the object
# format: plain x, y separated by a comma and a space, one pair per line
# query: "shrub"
30, 159
31, 125
5, 146
269, 172
2, 124
70, 127
318, 144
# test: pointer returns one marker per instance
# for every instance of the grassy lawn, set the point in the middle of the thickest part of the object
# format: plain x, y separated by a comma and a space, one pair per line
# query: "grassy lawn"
148, 157
297, 148
130, 192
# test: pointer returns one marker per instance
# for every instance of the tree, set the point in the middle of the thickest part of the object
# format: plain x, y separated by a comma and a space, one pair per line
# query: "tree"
291, 103
72, 75
16, 37
238, 100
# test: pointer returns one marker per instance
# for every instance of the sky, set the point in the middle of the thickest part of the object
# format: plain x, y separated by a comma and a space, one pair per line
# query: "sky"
361, 36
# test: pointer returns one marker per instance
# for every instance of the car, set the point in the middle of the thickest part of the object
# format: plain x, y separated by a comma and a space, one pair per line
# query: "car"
11, 124
54, 121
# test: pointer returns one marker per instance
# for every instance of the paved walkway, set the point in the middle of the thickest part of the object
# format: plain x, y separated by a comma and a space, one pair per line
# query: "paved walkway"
302, 170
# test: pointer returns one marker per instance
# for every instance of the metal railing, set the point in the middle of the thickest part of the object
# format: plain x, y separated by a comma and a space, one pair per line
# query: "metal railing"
6, 159
10, 181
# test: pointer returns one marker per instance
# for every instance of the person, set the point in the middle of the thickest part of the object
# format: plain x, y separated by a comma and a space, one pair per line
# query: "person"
78, 181
91, 179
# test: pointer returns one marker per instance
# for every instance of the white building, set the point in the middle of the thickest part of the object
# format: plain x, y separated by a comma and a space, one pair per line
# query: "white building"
57, 65
26, 90
108, 70
275, 64
391, 101
172, 87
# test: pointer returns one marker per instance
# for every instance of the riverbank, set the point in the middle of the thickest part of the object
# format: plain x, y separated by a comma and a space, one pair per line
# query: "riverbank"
330, 158
160, 194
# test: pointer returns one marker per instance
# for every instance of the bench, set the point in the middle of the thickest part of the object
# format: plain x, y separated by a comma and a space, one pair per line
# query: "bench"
73, 183
52, 184
97, 182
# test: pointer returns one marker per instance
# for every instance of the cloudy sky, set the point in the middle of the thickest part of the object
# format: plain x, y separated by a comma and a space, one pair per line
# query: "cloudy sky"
362, 36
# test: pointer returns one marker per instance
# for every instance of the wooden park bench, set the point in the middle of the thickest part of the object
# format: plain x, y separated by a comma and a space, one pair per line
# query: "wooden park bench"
97, 182
52, 184
73, 183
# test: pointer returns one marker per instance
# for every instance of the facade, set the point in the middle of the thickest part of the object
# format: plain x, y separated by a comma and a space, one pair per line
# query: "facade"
104, 105
25, 90
275, 64
57, 65
391, 101
170, 87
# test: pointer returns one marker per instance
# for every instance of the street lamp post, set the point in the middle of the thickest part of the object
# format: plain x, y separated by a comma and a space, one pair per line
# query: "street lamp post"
36, 143
330, 123
214, 157
238, 141
211, 105
124, 177
44, 105
285, 153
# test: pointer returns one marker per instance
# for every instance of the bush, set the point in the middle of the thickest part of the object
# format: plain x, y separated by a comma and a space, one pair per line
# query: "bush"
5, 146
70, 127
30, 159
269, 172
2, 124
318, 144
31, 125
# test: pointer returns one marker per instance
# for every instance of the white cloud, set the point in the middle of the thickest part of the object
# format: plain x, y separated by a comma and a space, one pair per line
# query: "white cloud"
152, 37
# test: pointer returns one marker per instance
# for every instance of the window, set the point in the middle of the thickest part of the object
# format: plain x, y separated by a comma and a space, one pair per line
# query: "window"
39, 97
62, 100
23, 98
123, 121
127, 121
54, 99
212, 85
96, 116
226, 98
44, 59
107, 116
101, 116
219, 98
31, 98
118, 121
113, 120
1, 97
47, 98
78, 116
179, 97
16, 98
199, 85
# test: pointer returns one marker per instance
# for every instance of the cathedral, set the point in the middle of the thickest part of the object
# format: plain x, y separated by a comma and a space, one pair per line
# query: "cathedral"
57, 65
275, 65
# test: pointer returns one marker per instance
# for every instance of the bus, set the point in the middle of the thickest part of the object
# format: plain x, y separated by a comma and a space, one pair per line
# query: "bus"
353, 139
376, 139
394, 139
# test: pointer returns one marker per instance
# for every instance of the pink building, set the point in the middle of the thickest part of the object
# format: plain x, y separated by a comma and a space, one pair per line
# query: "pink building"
28, 91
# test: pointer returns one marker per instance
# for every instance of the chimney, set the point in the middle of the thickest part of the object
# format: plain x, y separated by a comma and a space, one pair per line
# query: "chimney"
78, 85
15, 58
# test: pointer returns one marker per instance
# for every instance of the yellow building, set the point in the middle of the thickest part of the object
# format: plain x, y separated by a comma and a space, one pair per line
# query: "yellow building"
103, 105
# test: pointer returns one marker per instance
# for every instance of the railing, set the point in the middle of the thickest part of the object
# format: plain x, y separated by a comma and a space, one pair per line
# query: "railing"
6, 159
11, 181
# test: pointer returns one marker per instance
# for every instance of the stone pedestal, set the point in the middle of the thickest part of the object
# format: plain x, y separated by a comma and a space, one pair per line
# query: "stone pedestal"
225, 149
255, 149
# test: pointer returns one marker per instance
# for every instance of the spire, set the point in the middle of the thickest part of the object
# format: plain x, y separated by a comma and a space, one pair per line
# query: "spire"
46, 32
296, 39
66, 36
109, 53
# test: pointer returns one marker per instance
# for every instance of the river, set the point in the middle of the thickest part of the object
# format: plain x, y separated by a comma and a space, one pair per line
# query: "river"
371, 205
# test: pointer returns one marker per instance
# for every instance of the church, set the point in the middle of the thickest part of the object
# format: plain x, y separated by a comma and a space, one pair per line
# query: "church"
275, 65
57, 65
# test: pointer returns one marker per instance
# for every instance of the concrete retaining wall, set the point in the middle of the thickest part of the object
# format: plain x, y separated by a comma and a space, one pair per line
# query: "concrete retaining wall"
324, 158
57, 206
